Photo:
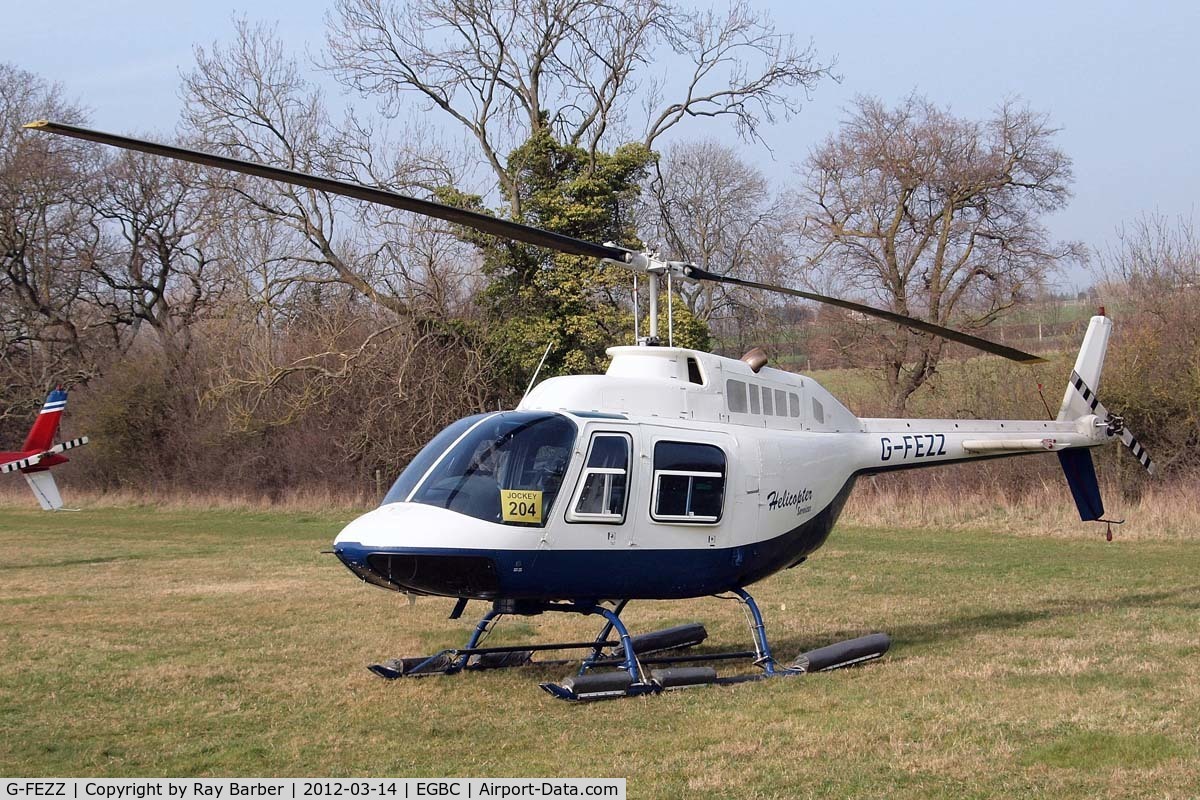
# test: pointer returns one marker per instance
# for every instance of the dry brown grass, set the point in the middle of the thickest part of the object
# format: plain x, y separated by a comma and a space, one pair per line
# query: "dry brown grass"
1043, 509
928, 499
14, 495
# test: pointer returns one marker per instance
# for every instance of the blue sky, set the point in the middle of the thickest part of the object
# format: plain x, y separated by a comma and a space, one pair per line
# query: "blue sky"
1118, 79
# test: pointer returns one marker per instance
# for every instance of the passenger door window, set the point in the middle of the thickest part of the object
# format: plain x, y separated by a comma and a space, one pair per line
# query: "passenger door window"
689, 482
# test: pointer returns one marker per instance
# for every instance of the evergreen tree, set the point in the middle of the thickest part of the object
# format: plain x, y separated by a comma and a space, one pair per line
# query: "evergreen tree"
578, 306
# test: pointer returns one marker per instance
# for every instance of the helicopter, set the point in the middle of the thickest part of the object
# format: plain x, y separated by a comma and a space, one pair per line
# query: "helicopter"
38, 454
677, 474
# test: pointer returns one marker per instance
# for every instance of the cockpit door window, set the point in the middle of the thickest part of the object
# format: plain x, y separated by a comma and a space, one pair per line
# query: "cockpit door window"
603, 490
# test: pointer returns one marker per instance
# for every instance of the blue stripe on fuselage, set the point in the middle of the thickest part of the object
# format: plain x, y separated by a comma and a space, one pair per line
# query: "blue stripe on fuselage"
627, 573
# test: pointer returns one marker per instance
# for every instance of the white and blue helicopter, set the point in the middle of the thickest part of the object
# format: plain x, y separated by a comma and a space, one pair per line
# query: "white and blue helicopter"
676, 474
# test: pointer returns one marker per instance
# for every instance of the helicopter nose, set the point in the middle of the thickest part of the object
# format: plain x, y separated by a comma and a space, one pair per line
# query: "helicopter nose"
361, 530
416, 525
412, 525
417, 548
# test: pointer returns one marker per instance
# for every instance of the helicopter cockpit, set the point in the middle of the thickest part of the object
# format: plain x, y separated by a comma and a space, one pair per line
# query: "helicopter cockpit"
505, 467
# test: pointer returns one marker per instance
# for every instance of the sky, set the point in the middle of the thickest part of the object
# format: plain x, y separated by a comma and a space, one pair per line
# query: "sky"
1118, 79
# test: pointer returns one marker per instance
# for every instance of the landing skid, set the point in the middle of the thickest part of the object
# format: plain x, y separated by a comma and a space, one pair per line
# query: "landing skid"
632, 656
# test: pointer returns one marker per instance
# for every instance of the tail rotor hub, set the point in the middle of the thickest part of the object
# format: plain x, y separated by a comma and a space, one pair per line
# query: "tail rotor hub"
1115, 425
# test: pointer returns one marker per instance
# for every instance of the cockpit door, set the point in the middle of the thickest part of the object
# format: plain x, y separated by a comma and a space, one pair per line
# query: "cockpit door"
600, 503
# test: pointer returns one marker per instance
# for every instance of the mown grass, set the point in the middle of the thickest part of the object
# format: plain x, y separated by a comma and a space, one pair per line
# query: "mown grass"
146, 642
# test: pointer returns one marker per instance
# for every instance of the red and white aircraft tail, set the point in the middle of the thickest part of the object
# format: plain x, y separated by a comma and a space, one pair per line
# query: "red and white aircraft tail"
39, 454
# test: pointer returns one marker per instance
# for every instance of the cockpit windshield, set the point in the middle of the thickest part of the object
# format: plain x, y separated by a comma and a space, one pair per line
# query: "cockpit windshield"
508, 468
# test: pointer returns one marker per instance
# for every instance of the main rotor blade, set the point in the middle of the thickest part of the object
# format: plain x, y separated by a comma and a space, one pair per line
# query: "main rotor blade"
497, 227
891, 316
472, 219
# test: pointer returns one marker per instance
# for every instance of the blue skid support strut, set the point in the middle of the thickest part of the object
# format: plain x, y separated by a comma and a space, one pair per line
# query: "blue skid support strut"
597, 651
630, 665
758, 630
481, 630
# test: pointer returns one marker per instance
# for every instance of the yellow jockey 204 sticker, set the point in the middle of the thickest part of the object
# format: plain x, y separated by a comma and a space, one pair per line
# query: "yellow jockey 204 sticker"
521, 505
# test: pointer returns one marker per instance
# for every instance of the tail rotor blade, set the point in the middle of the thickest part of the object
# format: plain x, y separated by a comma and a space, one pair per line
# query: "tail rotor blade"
1135, 447
1127, 437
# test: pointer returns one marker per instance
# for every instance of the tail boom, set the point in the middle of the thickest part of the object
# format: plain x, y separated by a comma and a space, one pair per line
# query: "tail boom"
893, 444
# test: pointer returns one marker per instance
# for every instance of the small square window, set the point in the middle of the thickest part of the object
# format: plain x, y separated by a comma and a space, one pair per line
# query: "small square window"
735, 396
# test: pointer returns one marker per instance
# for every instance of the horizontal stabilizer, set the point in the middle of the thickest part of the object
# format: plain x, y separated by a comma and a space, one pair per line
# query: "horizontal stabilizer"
35, 459
22, 463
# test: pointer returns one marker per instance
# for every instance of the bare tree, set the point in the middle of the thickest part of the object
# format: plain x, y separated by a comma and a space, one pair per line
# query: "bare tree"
1153, 256
506, 70
250, 100
1150, 278
160, 265
302, 251
48, 333
707, 206
934, 216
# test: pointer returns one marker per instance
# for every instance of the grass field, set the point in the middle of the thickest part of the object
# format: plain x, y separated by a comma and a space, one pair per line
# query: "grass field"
143, 642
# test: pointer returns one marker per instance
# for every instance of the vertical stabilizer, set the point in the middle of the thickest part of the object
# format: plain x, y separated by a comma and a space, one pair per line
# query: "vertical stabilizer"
1088, 366
45, 490
41, 435
1081, 477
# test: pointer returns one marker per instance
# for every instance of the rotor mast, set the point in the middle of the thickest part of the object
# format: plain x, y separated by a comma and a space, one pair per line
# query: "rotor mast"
653, 267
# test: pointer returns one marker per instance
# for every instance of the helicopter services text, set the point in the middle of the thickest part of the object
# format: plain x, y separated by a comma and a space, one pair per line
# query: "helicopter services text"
801, 500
